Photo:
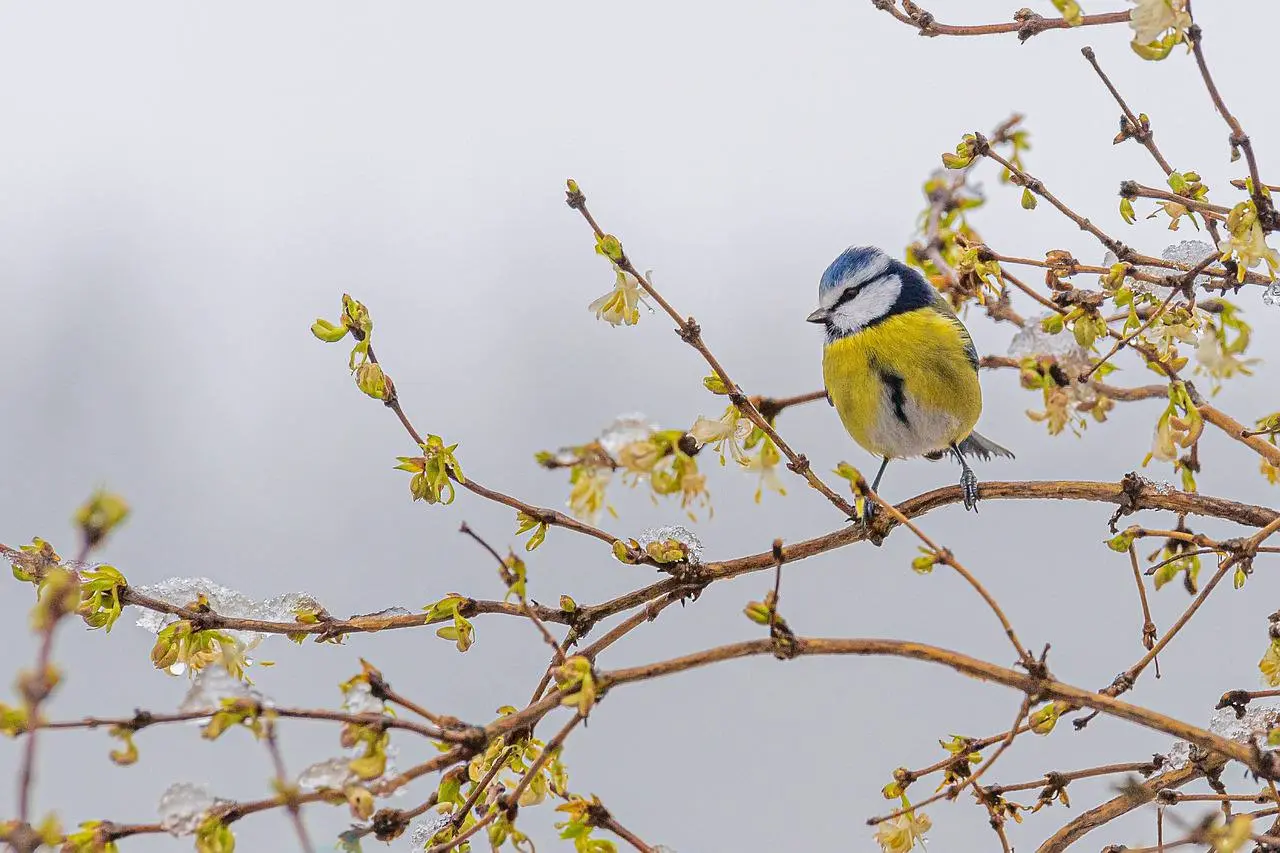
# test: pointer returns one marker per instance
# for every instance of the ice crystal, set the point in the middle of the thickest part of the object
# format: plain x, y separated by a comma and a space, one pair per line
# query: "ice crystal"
1033, 341
212, 685
182, 806
225, 602
1256, 722
334, 773
390, 611
1271, 296
625, 429
680, 534
423, 831
360, 700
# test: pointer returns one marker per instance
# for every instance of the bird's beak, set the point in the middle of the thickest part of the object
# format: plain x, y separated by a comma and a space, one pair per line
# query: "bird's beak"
819, 316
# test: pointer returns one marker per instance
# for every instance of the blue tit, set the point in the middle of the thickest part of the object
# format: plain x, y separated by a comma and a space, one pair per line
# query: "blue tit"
899, 366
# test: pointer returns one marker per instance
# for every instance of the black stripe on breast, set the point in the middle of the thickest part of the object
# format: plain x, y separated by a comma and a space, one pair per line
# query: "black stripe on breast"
897, 392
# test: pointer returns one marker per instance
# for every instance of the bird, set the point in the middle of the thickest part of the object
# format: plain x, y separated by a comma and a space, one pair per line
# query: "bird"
899, 366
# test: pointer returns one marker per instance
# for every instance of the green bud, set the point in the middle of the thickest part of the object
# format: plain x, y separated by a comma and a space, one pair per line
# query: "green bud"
1121, 541
715, 384
1028, 199
328, 332
372, 381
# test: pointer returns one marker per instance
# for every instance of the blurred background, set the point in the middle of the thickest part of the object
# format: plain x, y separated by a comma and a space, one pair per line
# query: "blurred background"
188, 186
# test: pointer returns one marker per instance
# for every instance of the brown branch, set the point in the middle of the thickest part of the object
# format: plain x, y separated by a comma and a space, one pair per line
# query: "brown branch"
1238, 139
1063, 779
1132, 189
1043, 688
691, 333
1234, 428
1148, 626
547, 516
1026, 23
288, 792
524, 605
1138, 129
1130, 799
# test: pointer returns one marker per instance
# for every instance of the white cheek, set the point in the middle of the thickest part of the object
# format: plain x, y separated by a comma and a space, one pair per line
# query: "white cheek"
873, 270
872, 302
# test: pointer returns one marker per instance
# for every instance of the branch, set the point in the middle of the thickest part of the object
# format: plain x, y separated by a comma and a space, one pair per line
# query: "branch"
1132, 798
1025, 23
1040, 688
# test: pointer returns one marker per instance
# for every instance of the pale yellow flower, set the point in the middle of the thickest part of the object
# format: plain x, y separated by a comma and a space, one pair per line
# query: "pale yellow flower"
1163, 444
620, 306
1248, 242
765, 463
1233, 836
1269, 666
730, 429
1213, 358
1151, 19
901, 834
587, 494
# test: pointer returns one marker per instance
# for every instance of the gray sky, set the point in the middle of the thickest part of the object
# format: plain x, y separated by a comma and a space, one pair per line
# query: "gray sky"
189, 185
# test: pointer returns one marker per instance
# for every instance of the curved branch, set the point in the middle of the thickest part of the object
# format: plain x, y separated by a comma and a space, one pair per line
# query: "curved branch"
1026, 24
1119, 806
1039, 688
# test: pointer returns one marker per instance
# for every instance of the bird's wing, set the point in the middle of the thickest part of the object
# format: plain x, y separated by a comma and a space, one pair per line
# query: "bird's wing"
942, 306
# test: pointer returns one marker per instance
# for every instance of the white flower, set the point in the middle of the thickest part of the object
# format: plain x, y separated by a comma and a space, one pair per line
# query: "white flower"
766, 464
620, 306
1248, 242
901, 834
730, 429
1163, 444
1150, 19
1215, 360
587, 493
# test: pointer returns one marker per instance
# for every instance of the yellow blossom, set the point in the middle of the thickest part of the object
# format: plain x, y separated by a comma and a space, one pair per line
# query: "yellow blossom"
1233, 836
587, 493
1216, 359
902, 833
620, 306
1247, 241
765, 463
730, 429
1269, 666
1151, 19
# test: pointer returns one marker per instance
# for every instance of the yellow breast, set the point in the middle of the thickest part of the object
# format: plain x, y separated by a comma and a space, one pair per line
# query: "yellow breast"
905, 386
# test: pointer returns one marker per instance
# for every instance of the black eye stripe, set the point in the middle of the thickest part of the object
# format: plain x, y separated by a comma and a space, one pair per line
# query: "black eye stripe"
851, 292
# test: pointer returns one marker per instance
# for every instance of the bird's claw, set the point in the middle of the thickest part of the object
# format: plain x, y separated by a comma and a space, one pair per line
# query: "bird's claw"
969, 489
865, 516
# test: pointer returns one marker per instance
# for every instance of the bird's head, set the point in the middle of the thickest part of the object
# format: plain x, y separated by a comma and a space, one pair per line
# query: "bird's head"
865, 286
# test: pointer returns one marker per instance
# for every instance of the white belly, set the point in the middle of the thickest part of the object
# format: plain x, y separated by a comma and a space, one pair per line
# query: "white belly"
926, 429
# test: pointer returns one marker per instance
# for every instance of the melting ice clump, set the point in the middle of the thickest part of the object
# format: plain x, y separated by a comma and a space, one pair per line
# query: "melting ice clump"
182, 806
680, 534
1256, 722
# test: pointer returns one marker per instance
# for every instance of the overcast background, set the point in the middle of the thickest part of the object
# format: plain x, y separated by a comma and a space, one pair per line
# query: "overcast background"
187, 186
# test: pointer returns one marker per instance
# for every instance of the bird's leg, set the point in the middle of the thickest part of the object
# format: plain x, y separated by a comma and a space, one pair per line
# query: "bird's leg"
968, 481
875, 484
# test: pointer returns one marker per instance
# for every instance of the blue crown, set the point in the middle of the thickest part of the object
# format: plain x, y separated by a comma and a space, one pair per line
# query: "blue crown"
856, 265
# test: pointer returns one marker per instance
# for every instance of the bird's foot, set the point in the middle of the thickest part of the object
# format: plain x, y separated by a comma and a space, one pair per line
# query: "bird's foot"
865, 515
969, 489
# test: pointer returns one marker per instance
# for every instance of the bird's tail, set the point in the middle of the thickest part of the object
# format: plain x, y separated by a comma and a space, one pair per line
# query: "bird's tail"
982, 447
